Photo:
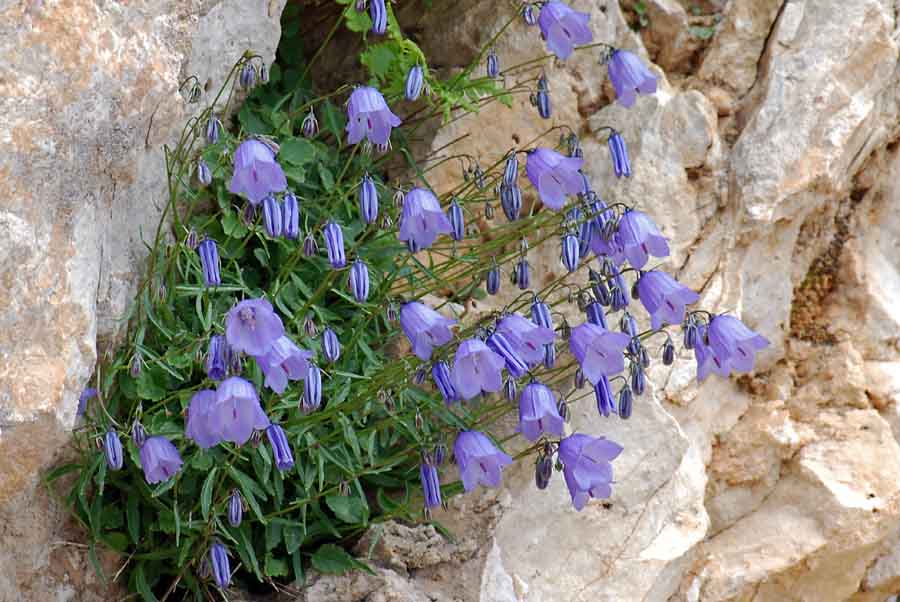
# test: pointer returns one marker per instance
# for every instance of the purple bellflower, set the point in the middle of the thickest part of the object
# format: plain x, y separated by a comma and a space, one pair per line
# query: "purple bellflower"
440, 372
733, 343
492, 281
252, 326
85, 396
415, 80
290, 218
505, 349
235, 508
554, 176
523, 274
529, 16
334, 244
256, 172
664, 298
431, 484
159, 459
221, 568
477, 368
312, 389
511, 200
209, 262
600, 352
457, 221
540, 314
281, 449
425, 328
479, 460
706, 360
112, 448
368, 115
331, 346
283, 362
606, 404
236, 413
527, 338
588, 471
629, 77
359, 280
217, 357
641, 238
492, 65
619, 154
563, 28
201, 426
423, 219
368, 199
378, 12
571, 251
538, 412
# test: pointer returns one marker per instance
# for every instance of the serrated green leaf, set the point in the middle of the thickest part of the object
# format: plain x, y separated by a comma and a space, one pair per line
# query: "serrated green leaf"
350, 510
332, 560
297, 151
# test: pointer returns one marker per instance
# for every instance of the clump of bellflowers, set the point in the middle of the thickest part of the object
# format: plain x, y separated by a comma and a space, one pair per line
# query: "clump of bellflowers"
301, 364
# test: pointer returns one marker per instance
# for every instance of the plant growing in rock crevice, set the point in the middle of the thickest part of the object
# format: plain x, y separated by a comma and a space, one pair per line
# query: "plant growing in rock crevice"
266, 414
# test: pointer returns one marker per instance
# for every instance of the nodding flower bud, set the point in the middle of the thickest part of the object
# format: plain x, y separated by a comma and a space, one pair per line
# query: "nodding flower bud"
549, 356
235, 508
457, 221
645, 357
511, 170
419, 376
431, 484
530, 18
440, 372
368, 199
281, 449
625, 401
310, 125
493, 279
204, 175
312, 389
209, 261
606, 403
310, 246
542, 98
138, 434
563, 409
390, 313
493, 65
511, 201
378, 12
628, 325
579, 378
501, 345
290, 217
510, 389
112, 447
264, 74
478, 175
523, 274
360, 5
213, 129
415, 79
619, 299
359, 281
334, 243
191, 241
331, 346
440, 454
599, 288
488, 211
136, 365
217, 358
570, 252
221, 568
248, 76
691, 331
309, 326
272, 218
595, 314
619, 154
636, 378
543, 469
540, 314
668, 354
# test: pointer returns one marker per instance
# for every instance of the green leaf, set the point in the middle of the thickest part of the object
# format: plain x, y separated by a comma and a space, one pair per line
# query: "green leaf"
326, 176
350, 510
251, 122
140, 582
206, 492
378, 60
133, 518
357, 21
276, 567
233, 226
245, 549
293, 537
332, 560
151, 384
333, 119
298, 151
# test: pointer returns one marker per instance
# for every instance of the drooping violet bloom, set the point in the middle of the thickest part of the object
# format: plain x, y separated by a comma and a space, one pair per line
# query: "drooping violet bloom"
236, 412
334, 244
217, 357
201, 422
571, 251
492, 66
664, 298
600, 352
247, 78
606, 404
542, 98
641, 238
281, 449
511, 170
213, 129
440, 372
505, 349
733, 343
479, 460
706, 359
457, 221
587, 467
431, 484
523, 274
425, 328
529, 15
415, 80
619, 154
378, 12
554, 176
256, 172
252, 326
549, 356
112, 448
527, 338
626, 400
368, 199
477, 368
511, 201
209, 262
221, 568
290, 217
422, 219
538, 412
359, 280
85, 396
595, 314
563, 28
331, 346
159, 459
668, 354
368, 116
235, 508
629, 77
204, 174
540, 314
312, 389
138, 434
283, 362
492, 281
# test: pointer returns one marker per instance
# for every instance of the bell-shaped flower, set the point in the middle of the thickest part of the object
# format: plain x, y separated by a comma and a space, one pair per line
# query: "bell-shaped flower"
606, 404
479, 460
630, 77
502, 346
235, 508
256, 172
281, 448
112, 448
159, 459
209, 262
440, 372
201, 426
707, 361
563, 28
526, 337
422, 219
415, 80
664, 298
217, 357
431, 484
732, 342
539, 413
619, 154
284, 361
368, 116
554, 176
359, 280
587, 469
477, 369
334, 244
252, 326
236, 412
425, 328
368, 199
640, 238
221, 568
599, 351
